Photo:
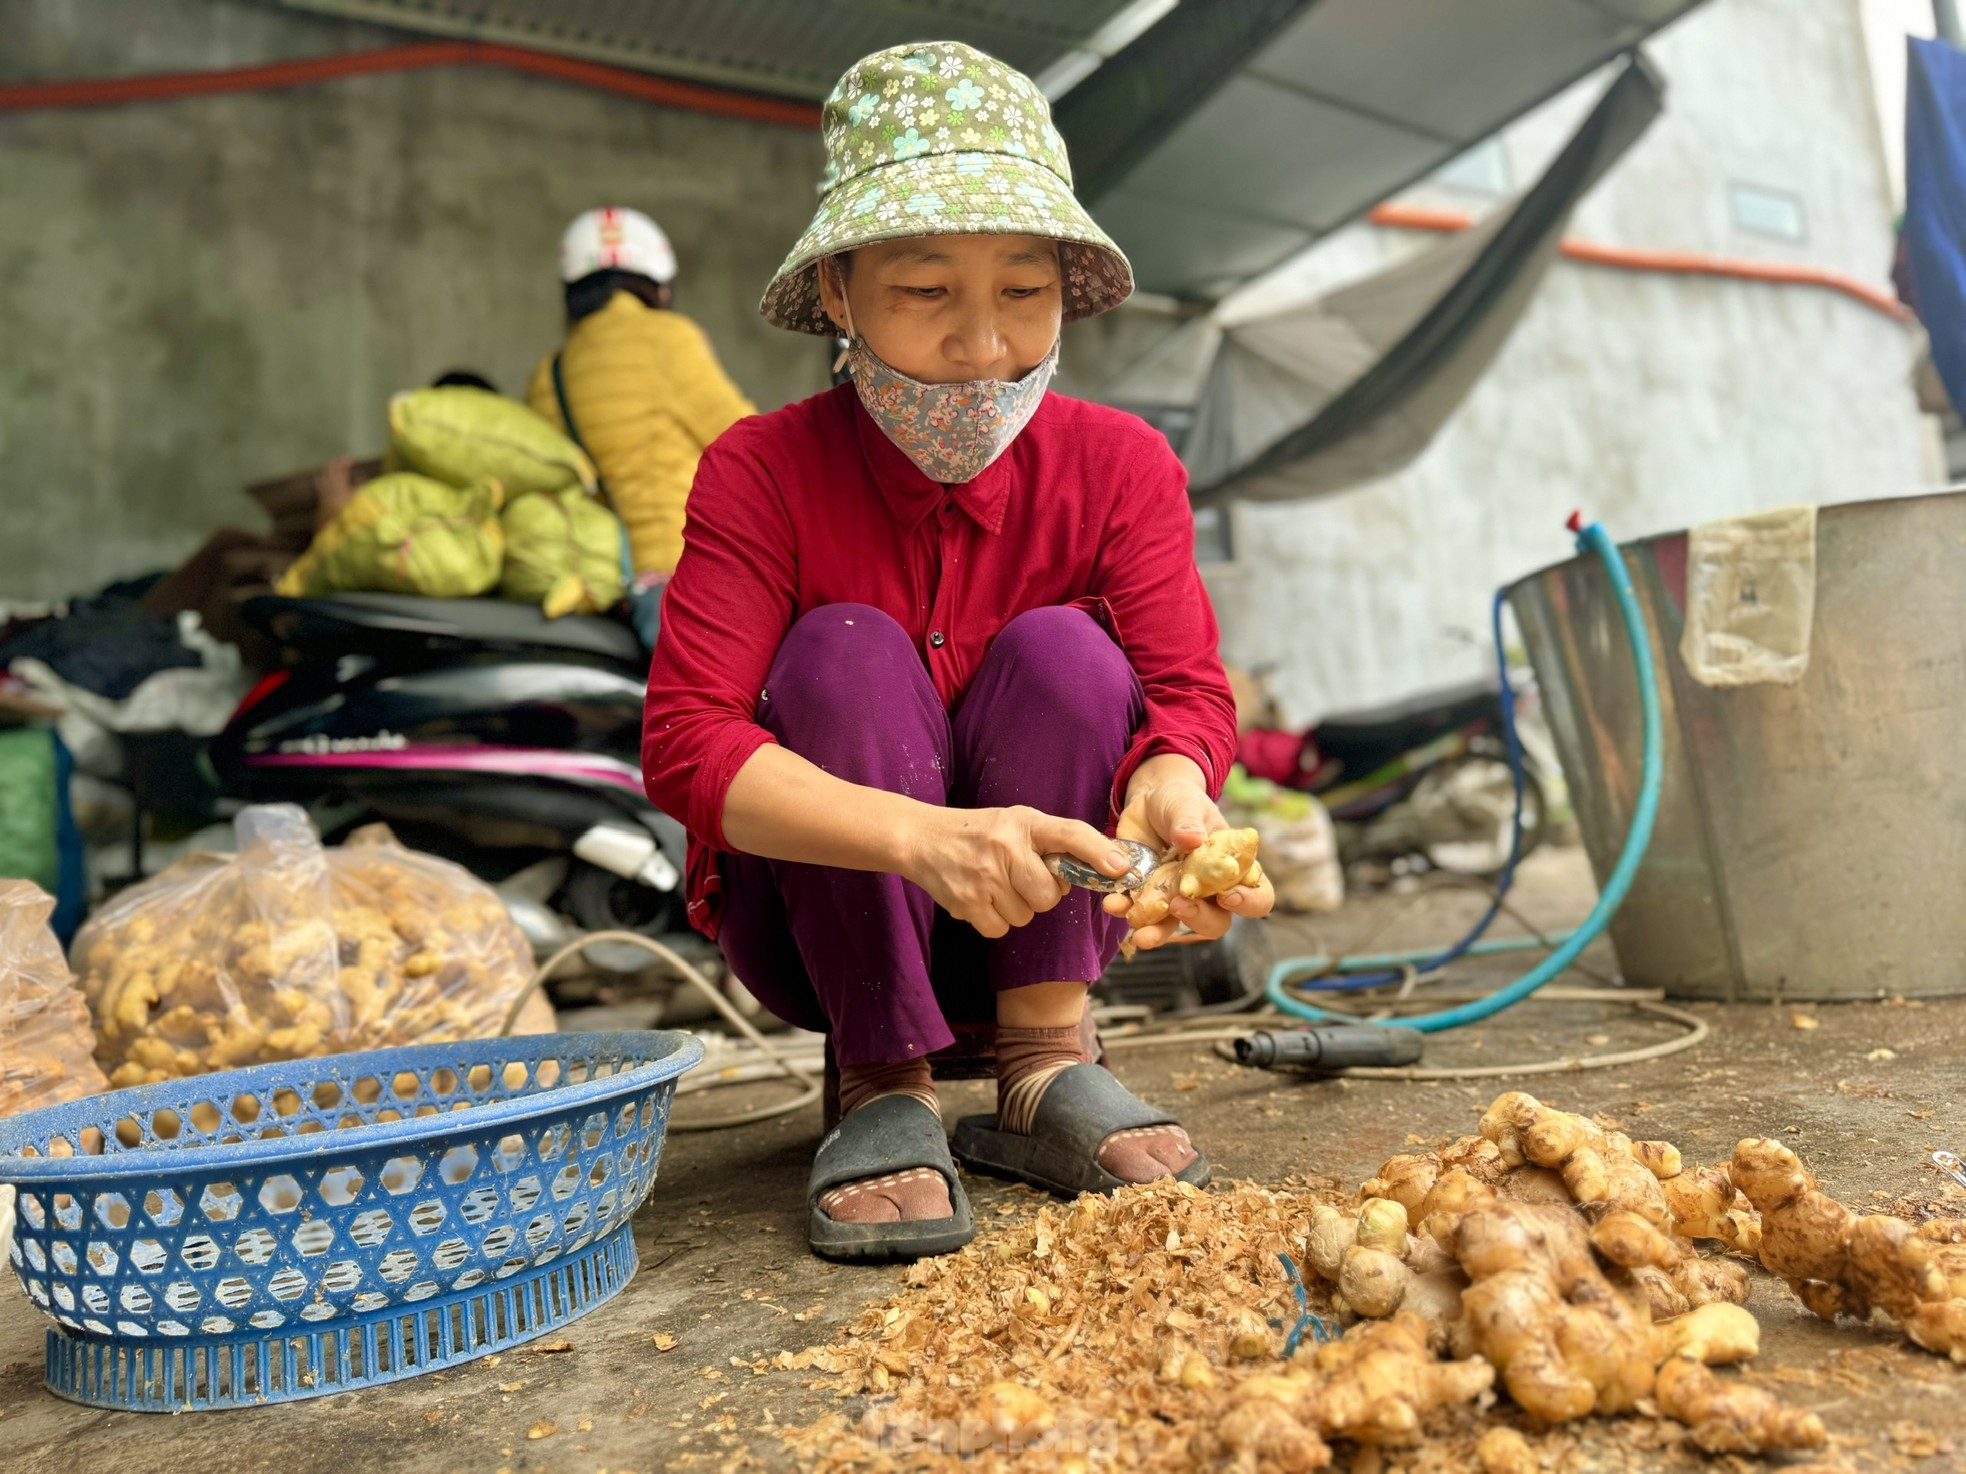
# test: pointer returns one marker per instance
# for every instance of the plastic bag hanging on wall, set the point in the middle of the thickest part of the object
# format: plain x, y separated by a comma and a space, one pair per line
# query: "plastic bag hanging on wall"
1750, 598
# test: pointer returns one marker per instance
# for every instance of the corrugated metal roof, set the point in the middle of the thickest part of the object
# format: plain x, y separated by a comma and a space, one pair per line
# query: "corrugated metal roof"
1347, 103
796, 48
1225, 138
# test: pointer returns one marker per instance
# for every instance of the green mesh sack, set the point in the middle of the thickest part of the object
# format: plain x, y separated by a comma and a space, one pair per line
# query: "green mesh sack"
406, 534
562, 552
460, 435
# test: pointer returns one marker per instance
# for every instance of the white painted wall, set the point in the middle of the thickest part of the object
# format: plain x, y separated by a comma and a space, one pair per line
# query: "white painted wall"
1651, 401
1886, 25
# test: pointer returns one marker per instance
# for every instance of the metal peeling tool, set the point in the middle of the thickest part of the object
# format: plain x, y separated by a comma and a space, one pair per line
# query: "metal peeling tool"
1949, 1163
1078, 873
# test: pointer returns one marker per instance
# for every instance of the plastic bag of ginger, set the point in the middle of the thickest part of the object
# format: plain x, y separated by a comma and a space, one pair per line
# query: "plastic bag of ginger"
288, 949
47, 1046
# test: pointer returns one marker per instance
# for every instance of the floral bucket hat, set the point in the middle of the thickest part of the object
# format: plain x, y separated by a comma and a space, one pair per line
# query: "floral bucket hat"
938, 138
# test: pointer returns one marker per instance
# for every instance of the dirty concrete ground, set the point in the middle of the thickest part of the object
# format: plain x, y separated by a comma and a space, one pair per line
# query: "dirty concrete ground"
725, 1273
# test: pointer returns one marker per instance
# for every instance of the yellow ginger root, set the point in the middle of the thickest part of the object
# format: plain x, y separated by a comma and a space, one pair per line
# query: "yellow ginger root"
1373, 1386
1564, 1340
1379, 1268
1226, 859
1530, 1152
1608, 1171
1843, 1263
1453, 1179
1705, 1205
1505, 1451
1382, 1379
1730, 1417
1714, 1335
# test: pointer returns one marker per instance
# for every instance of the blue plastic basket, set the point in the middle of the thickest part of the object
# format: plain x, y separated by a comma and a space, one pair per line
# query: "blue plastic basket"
326, 1224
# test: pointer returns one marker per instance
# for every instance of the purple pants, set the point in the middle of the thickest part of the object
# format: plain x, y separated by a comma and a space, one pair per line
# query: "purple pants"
870, 958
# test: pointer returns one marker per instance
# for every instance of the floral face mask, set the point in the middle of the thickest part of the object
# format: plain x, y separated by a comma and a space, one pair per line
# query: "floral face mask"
951, 431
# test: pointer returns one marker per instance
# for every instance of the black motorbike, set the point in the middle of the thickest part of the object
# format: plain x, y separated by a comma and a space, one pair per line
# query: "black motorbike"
479, 730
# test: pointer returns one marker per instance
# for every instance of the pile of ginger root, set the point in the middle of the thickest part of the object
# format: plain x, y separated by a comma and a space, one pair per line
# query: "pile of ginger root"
1563, 1256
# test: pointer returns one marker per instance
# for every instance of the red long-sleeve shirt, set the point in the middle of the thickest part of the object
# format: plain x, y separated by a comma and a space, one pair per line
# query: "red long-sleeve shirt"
814, 505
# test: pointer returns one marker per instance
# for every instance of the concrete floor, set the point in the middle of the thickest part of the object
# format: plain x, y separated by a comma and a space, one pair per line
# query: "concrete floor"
725, 1271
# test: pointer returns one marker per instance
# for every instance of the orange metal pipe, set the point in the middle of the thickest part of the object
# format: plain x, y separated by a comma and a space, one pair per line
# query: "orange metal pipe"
1675, 263
158, 87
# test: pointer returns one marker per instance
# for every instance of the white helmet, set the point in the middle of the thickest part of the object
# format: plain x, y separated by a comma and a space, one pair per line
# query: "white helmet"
618, 240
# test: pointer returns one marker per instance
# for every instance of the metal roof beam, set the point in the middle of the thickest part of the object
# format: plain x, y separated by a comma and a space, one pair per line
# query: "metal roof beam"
1119, 114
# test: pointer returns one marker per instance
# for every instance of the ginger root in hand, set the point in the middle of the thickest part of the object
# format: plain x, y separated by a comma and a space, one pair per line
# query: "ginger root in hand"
1226, 859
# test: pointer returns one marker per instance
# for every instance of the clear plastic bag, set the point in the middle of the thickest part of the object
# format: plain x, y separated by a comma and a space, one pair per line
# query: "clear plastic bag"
288, 950
1298, 843
47, 1046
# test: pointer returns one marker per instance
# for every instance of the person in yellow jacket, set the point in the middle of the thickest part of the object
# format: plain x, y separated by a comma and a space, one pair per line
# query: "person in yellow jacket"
637, 384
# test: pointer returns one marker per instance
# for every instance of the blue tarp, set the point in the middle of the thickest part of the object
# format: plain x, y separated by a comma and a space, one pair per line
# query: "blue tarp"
1935, 204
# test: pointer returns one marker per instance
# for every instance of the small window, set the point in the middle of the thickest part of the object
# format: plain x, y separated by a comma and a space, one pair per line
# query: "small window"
1213, 540
1772, 212
1483, 170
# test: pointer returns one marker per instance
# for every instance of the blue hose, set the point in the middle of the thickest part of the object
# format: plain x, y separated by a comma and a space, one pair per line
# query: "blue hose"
1595, 540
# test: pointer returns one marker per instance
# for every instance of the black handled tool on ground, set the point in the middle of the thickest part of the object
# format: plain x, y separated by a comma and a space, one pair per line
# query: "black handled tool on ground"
1329, 1047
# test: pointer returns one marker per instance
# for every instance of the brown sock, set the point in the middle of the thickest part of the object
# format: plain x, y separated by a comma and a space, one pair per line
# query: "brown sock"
918, 1194
1028, 1060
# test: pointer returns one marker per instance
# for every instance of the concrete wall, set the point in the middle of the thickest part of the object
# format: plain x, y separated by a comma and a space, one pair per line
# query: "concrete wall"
202, 293
1652, 401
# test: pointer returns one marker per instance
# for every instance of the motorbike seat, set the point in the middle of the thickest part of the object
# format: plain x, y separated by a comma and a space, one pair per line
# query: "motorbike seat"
338, 618
1408, 723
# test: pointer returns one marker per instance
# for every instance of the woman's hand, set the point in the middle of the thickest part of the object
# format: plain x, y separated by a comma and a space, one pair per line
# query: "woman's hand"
1168, 807
986, 866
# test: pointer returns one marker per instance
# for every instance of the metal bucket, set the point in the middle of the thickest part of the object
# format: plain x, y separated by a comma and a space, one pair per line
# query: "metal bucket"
1811, 839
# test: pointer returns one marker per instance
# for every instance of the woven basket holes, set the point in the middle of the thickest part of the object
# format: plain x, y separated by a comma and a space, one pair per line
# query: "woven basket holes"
457, 1164
113, 1210
340, 1186
371, 1228
427, 1217
479, 1205
220, 1202
234, 1292
400, 1175
398, 1265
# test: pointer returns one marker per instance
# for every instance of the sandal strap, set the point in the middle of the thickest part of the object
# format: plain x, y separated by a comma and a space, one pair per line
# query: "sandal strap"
896, 1133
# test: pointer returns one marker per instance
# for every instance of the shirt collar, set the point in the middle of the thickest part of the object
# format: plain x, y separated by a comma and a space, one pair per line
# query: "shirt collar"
911, 495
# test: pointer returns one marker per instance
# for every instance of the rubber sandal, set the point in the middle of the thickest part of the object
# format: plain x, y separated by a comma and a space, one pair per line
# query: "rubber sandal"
1081, 1108
891, 1134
